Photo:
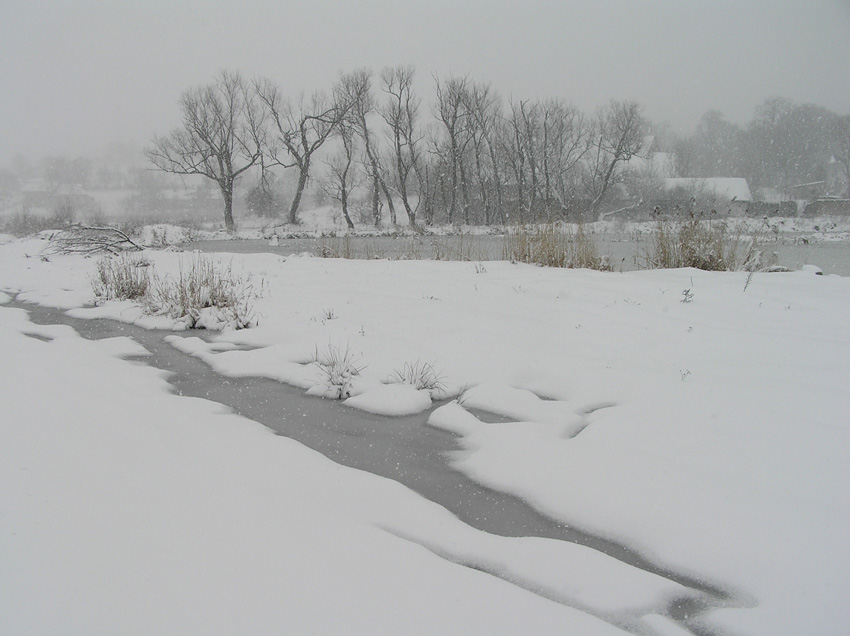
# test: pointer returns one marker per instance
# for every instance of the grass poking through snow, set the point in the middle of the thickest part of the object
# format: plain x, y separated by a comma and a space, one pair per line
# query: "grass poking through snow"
420, 375
337, 369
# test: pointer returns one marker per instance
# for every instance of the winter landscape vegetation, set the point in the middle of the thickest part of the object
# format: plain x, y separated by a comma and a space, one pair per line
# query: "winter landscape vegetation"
411, 353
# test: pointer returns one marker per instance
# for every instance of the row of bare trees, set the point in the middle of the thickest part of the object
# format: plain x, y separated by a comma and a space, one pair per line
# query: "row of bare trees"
475, 159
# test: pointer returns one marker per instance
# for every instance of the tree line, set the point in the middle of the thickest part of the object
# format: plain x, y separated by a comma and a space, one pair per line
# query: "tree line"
473, 158
786, 145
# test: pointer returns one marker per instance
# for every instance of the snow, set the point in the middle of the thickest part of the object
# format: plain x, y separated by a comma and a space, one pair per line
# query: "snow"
391, 399
710, 435
163, 234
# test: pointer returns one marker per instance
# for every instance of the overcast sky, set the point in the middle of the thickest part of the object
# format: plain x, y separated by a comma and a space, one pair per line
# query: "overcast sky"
76, 75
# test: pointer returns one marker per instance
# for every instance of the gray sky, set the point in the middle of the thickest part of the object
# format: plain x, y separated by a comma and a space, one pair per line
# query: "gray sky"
76, 75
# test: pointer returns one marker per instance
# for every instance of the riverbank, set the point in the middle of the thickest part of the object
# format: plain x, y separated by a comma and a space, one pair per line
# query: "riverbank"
696, 417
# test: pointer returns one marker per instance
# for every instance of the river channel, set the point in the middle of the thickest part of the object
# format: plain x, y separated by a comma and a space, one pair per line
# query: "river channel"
406, 451
624, 253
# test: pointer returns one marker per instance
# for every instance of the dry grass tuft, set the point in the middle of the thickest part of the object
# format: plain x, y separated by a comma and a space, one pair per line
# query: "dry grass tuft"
707, 245
553, 245
338, 368
204, 295
121, 278
420, 375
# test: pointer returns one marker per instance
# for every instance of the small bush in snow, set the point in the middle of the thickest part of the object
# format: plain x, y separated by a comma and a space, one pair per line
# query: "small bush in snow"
121, 278
205, 295
337, 369
420, 375
25, 224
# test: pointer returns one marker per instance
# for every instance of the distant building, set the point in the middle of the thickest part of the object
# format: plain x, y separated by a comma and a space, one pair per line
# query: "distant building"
727, 188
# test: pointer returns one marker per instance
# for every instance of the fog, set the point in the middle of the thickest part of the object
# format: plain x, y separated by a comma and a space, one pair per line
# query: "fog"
80, 74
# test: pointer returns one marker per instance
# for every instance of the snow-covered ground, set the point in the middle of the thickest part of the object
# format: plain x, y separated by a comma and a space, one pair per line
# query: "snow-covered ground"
323, 221
701, 418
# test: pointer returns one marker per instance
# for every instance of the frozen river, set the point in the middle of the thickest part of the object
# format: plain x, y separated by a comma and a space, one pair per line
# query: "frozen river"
400, 448
833, 257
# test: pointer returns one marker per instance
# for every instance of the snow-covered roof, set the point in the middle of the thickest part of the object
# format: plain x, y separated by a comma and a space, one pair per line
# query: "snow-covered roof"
720, 187
646, 146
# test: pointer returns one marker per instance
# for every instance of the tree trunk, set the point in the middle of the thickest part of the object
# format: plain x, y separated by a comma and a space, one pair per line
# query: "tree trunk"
376, 202
227, 193
344, 201
497, 181
299, 191
403, 173
411, 215
594, 208
464, 191
389, 197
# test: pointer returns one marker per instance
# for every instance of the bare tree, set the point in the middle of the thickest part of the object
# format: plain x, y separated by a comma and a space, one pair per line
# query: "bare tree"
514, 144
401, 113
453, 114
484, 106
564, 142
299, 130
356, 88
789, 145
222, 136
617, 137
343, 177
526, 124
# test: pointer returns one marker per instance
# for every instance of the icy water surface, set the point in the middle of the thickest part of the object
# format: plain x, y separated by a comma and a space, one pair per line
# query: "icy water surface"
400, 448
624, 254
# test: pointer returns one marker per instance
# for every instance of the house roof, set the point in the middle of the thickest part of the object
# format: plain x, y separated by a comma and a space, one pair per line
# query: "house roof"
720, 187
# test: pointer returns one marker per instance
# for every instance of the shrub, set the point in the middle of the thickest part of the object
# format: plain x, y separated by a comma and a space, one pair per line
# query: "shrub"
338, 367
205, 295
132, 224
553, 245
64, 213
96, 217
25, 224
420, 375
121, 278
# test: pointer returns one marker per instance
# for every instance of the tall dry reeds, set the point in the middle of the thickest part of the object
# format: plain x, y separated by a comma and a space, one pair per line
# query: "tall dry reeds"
553, 245
708, 245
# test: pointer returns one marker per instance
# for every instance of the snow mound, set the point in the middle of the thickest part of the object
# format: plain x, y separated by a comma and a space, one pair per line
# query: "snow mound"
392, 399
165, 234
523, 405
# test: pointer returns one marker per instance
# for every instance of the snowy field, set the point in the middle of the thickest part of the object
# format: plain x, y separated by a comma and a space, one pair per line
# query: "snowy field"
701, 418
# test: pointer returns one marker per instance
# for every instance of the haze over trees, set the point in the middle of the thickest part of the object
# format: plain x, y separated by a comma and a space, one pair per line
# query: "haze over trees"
381, 151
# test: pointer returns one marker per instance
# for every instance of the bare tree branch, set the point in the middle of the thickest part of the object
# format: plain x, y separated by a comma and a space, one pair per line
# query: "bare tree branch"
223, 135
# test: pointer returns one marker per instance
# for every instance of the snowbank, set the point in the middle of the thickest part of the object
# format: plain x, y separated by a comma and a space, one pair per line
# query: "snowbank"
711, 435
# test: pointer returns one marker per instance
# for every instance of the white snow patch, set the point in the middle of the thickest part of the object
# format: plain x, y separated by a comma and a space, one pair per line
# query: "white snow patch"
725, 457
391, 399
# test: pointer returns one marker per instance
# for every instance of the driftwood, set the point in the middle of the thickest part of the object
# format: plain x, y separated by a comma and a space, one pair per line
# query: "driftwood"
80, 239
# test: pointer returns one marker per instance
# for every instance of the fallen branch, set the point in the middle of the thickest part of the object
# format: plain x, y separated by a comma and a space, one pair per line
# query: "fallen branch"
80, 239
